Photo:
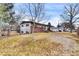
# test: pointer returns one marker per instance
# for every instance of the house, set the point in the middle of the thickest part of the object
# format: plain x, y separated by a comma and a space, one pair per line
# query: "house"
27, 27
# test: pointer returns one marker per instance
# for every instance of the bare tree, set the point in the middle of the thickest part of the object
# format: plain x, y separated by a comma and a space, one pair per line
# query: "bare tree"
21, 14
66, 26
36, 12
70, 14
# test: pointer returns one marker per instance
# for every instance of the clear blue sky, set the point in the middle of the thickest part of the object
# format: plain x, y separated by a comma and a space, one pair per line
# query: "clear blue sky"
54, 10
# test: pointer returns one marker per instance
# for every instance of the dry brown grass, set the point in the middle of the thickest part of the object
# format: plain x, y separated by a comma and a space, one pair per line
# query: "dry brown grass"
24, 45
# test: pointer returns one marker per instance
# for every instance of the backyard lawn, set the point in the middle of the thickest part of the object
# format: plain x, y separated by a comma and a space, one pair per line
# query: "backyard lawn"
36, 44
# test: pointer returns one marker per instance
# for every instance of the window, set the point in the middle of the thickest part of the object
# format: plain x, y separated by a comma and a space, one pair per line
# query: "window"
27, 24
22, 25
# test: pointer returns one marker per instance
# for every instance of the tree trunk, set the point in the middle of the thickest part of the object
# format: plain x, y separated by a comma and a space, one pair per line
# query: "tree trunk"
0, 32
71, 23
33, 30
71, 28
8, 32
33, 27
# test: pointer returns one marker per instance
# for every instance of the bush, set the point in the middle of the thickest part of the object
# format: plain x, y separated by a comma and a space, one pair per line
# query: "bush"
78, 31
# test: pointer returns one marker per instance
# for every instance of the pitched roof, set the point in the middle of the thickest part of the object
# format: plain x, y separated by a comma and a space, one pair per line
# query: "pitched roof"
32, 23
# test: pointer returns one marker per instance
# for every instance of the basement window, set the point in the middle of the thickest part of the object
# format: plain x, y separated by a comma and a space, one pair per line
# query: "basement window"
22, 25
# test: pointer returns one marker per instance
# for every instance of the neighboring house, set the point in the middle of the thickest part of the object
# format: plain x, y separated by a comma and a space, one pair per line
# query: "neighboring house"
55, 29
62, 28
76, 26
26, 27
